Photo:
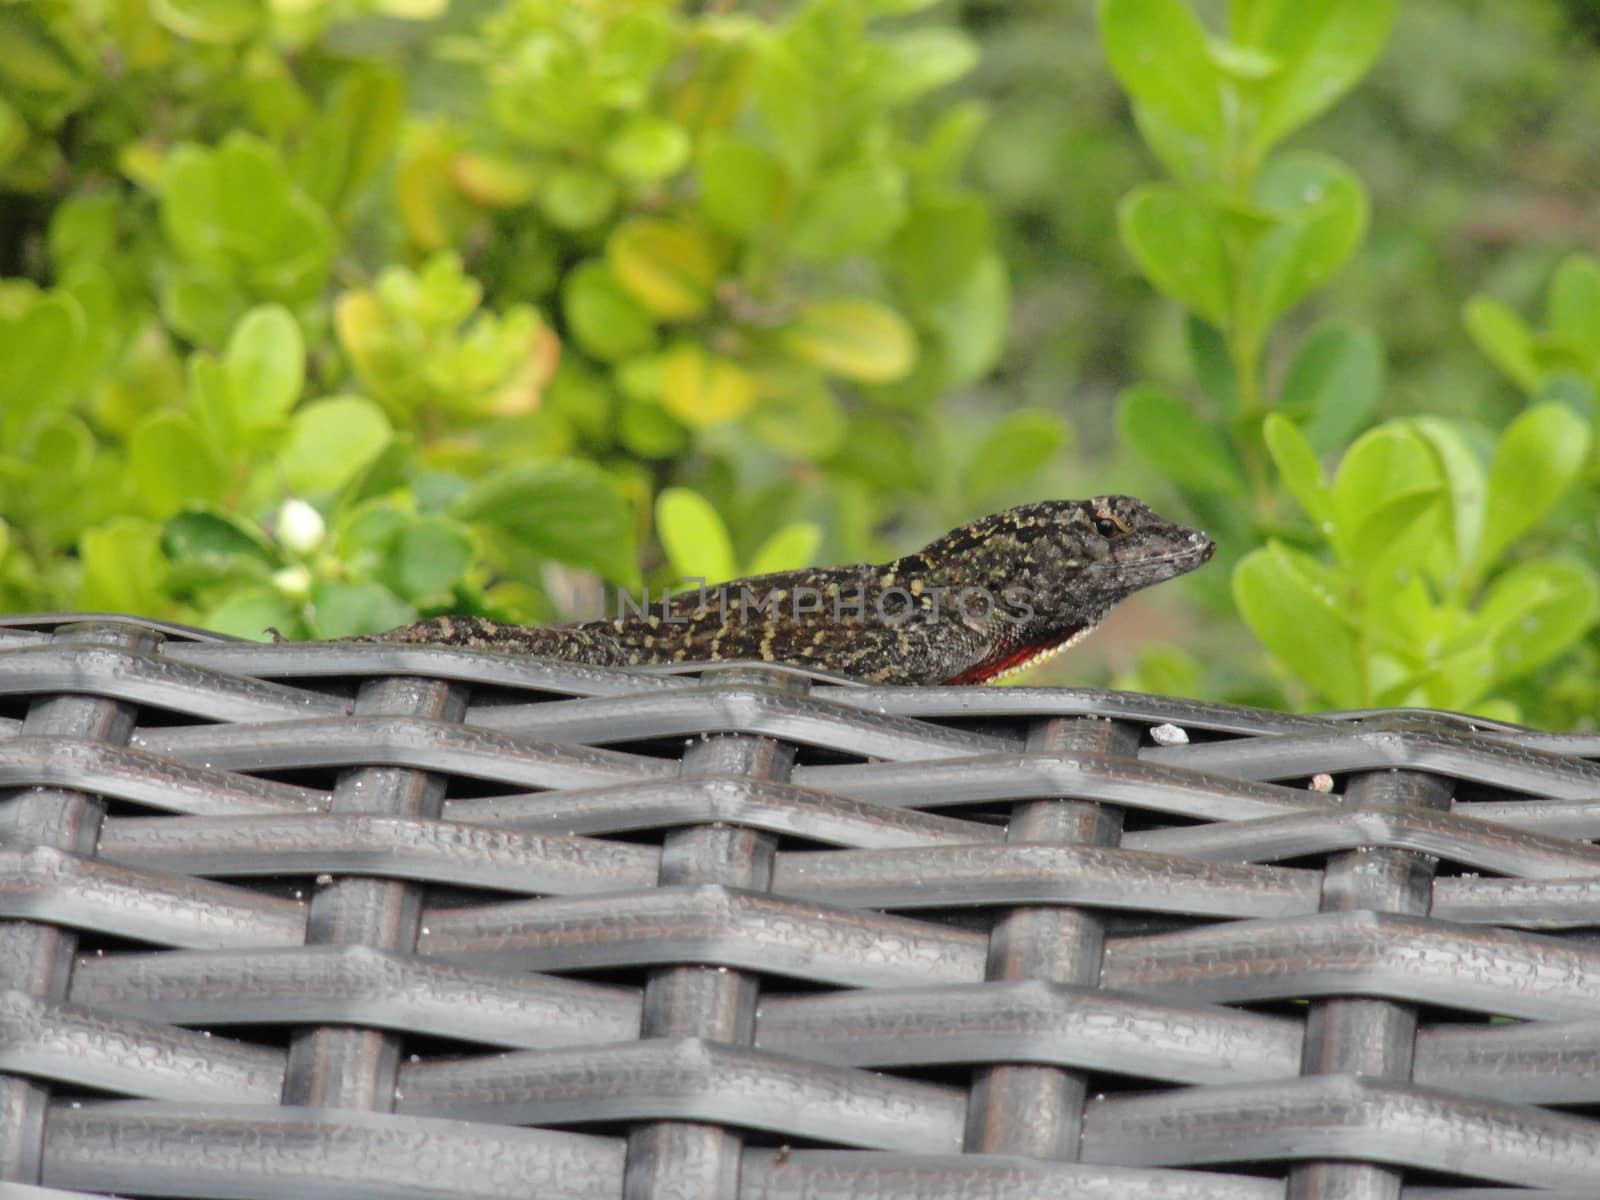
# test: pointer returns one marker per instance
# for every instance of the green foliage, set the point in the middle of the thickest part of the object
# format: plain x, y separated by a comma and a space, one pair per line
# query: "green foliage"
326, 315
391, 310
1415, 525
1428, 588
699, 548
1560, 363
1241, 236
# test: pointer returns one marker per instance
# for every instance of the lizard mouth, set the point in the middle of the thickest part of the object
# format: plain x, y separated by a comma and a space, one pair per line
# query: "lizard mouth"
1006, 663
1162, 566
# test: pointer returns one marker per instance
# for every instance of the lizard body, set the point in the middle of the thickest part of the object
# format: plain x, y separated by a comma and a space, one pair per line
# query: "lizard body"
979, 603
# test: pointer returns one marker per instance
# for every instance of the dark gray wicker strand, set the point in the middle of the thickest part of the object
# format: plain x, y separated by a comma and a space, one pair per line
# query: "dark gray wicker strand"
36, 957
745, 931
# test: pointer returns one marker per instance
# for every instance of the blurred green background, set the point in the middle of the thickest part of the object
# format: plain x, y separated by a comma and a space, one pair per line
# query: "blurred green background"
329, 314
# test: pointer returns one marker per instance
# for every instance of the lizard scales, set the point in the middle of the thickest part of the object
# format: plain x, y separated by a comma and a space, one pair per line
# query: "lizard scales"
981, 602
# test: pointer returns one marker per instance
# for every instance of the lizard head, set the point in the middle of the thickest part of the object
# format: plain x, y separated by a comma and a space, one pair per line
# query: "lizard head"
1055, 568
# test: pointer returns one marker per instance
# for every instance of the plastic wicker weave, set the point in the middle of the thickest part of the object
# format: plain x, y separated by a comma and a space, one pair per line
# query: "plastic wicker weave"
386, 921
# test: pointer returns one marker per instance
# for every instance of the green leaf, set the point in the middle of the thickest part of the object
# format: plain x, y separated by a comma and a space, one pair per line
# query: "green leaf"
1175, 238
62, 487
1533, 613
849, 210
427, 558
1183, 448
252, 612
214, 535
350, 609
884, 453
1291, 604
331, 441
1535, 461
236, 217
1164, 670
171, 463
1332, 386
1157, 50
669, 266
219, 22
1394, 538
250, 192
568, 511
13, 132
1464, 478
495, 180
1571, 392
123, 568
859, 339
352, 137
365, 533
1573, 307
787, 97
947, 147
921, 60
942, 242
647, 148
264, 367
703, 389
32, 59
1388, 482
63, 449
1012, 451
38, 349
201, 304
1213, 367
576, 198
1298, 467
972, 324
1242, 64
1189, 157
210, 404
1321, 208
694, 536
1322, 47
801, 419
793, 546
1504, 339
602, 315
741, 185
646, 429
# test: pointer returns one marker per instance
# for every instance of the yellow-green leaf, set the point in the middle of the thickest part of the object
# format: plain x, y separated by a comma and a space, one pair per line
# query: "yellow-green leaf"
1289, 601
494, 180
330, 441
694, 536
793, 546
669, 266
123, 568
859, 339
1535, 461
703, 389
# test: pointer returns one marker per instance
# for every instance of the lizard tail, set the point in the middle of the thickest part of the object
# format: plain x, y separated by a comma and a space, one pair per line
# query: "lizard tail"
478, 633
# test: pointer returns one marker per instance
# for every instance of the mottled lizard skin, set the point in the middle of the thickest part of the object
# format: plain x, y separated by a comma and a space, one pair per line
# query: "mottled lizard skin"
979, 603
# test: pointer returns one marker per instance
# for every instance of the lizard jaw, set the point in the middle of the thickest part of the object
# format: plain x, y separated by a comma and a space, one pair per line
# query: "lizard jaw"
1028, 656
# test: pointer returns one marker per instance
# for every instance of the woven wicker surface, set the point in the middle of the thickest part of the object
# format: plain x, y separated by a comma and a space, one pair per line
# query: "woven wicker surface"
385, 921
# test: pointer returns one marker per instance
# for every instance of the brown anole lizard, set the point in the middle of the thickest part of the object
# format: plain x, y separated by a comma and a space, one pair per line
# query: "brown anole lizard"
979, 603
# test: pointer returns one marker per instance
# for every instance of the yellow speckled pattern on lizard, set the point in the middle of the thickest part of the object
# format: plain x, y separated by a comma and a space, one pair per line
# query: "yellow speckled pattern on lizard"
977, 604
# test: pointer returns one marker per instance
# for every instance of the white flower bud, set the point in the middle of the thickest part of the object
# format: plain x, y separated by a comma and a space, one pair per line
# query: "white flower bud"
300, 527
294, 582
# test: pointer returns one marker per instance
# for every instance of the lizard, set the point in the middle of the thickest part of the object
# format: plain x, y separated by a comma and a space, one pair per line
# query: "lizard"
983, 602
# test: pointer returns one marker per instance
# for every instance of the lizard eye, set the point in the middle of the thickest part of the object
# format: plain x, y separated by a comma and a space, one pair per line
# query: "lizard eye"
1108, 526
